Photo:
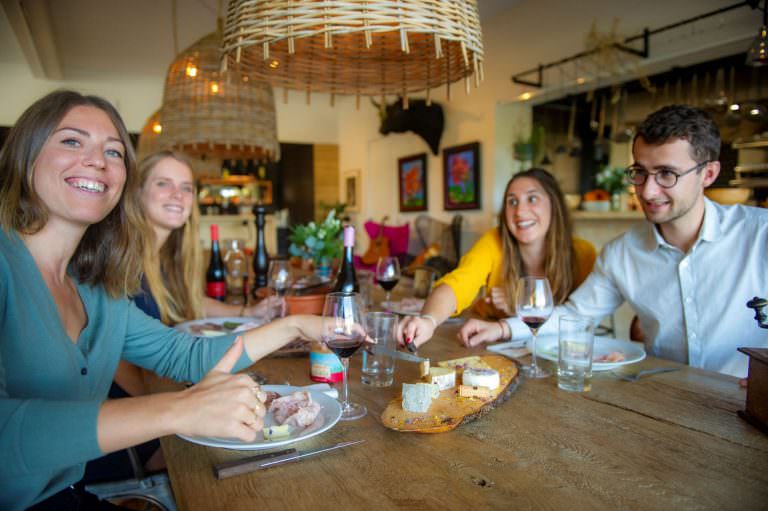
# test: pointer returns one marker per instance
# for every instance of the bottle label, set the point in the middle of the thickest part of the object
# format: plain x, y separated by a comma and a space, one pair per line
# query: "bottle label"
216, 289
325, 367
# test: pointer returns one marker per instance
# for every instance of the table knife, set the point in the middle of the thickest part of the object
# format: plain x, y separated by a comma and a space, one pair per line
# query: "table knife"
386, 352
261, 461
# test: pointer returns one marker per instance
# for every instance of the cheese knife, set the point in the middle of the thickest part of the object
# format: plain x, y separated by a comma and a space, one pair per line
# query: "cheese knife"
271, 459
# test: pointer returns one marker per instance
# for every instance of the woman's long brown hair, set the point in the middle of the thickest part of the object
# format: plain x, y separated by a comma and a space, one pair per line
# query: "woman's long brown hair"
109, 254
559, 258
175, 278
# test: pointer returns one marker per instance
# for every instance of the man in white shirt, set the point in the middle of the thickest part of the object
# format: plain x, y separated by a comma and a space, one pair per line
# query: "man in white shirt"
689, 272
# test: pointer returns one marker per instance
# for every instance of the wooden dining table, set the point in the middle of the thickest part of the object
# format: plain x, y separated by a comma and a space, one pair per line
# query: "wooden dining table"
667, 441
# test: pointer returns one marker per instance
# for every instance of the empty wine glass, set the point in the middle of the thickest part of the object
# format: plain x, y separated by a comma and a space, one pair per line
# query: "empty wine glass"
534, 306
388, 274
343, 331
279, 276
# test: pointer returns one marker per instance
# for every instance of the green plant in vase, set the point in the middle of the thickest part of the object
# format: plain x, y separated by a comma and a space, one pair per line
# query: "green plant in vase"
321, 243
612, 180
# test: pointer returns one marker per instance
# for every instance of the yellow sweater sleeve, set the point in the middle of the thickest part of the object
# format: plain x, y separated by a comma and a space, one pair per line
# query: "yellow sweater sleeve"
481, 264
585, 255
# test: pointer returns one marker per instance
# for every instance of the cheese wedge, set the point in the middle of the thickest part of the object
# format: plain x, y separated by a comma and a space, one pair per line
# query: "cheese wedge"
274, 433
443, 377
476, 392
417, 397
480, 378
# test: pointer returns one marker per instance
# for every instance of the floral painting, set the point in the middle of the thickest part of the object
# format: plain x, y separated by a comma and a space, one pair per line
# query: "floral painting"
461, 177
412, 182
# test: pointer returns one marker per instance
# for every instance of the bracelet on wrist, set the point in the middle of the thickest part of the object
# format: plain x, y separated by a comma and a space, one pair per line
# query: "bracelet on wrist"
502, 325
429, 317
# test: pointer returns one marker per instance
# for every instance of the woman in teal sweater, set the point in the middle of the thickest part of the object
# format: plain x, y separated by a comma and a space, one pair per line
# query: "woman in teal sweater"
69, 257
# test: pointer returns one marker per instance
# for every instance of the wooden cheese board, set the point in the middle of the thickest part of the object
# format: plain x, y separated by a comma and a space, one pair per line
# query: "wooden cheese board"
448, 411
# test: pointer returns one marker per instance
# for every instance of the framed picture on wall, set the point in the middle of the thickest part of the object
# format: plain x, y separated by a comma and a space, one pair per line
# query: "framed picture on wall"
412, 182
351, 188
461, 177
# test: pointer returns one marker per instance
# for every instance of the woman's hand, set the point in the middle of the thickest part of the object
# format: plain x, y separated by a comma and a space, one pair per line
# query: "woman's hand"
269, 308
476, 331
498, 299
415, 329
222, 404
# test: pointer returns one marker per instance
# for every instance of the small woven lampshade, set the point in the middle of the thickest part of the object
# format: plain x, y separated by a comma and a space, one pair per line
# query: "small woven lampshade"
358, 47
151, 139
224, 114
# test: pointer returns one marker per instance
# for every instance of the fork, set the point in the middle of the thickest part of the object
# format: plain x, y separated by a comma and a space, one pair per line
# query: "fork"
646, 372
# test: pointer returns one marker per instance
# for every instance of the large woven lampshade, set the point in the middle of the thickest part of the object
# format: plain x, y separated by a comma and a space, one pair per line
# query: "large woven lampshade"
209, 112
355, 47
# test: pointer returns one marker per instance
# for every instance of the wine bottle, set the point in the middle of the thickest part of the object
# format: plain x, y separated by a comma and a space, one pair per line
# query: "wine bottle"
215, 277
346, 281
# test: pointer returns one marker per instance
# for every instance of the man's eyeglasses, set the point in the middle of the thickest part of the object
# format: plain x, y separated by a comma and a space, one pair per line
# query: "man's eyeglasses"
664, 178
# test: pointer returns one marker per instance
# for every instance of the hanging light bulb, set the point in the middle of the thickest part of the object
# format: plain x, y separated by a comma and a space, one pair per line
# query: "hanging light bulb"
757, 54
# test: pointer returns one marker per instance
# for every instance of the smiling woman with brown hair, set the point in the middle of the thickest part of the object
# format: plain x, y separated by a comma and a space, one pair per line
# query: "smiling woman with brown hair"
533, 237
69, 256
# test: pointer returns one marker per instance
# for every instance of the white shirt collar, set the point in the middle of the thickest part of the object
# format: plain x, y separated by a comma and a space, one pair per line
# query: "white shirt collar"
711, 229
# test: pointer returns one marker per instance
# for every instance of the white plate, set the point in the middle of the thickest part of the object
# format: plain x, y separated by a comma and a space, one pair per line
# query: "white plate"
327, 418
187, 325
546, 348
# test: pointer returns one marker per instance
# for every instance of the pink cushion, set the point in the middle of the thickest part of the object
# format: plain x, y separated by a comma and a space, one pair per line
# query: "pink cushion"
398, 242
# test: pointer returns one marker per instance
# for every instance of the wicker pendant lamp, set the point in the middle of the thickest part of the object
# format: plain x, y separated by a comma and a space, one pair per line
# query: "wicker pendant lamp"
151, 139
212, 113
371, 48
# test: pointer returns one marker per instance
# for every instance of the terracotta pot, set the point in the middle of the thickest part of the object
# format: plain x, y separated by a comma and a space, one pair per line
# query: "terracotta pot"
306, 304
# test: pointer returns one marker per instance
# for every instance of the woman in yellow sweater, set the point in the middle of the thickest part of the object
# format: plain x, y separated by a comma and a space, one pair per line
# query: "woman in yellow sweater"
534, 237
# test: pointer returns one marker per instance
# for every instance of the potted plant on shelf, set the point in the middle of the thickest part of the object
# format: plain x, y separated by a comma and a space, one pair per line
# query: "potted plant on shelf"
612, 180
320, 243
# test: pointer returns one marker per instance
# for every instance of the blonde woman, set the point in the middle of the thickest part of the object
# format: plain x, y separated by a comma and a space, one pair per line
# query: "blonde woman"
71, 234
534, 237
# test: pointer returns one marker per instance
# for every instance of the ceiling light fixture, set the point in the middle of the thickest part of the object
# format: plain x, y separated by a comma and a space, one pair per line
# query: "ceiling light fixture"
371, 48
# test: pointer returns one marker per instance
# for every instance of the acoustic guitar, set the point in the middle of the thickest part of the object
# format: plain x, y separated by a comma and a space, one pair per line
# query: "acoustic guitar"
379, 246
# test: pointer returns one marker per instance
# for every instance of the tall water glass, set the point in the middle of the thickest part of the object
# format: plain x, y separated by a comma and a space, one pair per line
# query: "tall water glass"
379, 370
575, 348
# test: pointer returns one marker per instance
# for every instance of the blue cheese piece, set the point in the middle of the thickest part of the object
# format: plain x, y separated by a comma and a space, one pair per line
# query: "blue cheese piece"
480, 378
274, 433
417, 397
443, 377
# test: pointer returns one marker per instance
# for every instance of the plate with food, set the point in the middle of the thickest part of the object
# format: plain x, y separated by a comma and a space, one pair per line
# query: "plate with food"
608, 353
293, 414
213, 327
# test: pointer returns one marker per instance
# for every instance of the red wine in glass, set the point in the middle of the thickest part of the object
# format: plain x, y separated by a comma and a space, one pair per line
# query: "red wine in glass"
388, 285
534, 322
344, 346
534, 305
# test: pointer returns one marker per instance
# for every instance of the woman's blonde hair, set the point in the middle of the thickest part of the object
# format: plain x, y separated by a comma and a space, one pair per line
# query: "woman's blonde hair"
109, 254
559, 257
174, 273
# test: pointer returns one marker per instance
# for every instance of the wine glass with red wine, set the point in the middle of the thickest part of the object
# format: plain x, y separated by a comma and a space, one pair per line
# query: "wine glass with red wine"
388, 275
343, 333
534, 306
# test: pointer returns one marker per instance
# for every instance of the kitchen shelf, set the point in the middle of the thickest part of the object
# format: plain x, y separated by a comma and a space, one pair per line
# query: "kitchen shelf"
750, 183
754, 144
752, 167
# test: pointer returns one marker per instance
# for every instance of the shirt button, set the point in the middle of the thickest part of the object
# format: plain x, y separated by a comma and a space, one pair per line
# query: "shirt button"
688, 300
83, 371
693, 335
684, 264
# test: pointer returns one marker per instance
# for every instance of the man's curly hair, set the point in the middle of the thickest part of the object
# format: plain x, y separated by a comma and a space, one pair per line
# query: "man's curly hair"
683, 122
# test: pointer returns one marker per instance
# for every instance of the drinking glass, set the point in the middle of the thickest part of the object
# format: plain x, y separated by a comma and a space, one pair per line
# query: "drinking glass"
343, 331
388, 274
379, 370
534, 306
279, 277
237, 271
575, 347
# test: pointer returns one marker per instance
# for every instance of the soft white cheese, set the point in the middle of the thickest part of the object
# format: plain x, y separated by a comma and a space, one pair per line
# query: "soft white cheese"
443, 377
417, 397
481, 378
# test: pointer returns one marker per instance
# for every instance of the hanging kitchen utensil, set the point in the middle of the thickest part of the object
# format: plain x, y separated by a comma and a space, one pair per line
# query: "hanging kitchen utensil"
593, 124
732, 114
695, 90
600, 141
615, 112
679, 91
623, 133
573, 150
